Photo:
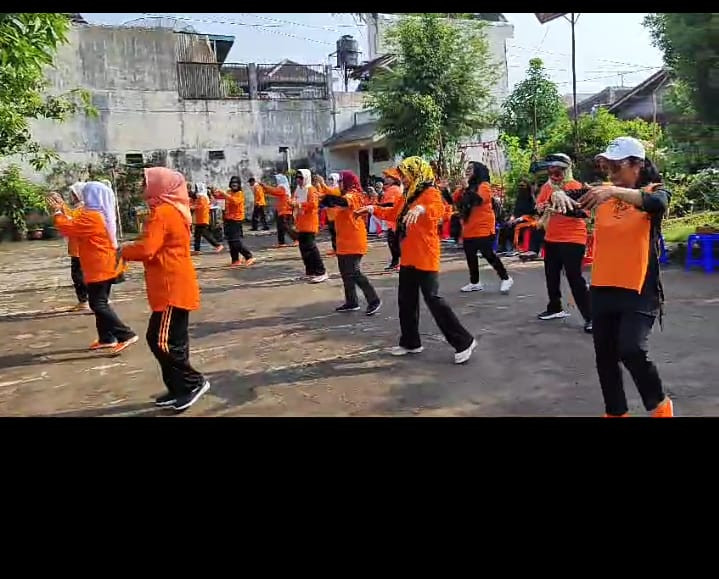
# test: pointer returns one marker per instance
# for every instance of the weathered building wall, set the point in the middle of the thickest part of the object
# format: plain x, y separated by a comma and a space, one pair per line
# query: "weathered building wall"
132, 75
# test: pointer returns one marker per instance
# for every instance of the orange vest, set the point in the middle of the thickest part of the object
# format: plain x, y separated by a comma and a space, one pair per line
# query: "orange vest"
235, 206
621, 246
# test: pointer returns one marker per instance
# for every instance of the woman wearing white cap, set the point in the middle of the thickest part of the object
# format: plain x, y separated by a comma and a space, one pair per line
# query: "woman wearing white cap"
626, 288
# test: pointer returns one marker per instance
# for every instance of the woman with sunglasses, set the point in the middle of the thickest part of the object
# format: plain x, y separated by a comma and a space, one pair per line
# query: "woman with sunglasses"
565, 240
626, 291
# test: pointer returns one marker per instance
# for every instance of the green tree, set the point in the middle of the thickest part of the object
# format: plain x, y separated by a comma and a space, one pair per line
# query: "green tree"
690, 43
534, 106
595, 132
28, 44
439, 90
18, 197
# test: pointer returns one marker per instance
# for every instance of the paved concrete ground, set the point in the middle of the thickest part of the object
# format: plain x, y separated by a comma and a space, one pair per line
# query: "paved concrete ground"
273, 346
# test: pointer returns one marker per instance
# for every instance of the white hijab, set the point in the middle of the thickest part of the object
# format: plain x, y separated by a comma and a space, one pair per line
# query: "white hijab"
301, 192
77, 189
334, 180
201, 189
284, 182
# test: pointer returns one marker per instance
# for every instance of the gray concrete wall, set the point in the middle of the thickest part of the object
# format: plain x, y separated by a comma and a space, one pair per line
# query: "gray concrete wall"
132, 76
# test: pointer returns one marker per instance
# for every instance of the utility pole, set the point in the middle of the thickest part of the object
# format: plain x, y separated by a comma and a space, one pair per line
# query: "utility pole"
573, 21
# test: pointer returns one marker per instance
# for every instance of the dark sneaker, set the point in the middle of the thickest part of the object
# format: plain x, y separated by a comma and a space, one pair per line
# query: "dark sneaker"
165, 400
373, 308
588, 327
553, 315
184, 402
347, 308
390, 267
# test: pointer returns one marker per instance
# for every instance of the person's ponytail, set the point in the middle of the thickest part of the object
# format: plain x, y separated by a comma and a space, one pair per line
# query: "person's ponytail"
648, 173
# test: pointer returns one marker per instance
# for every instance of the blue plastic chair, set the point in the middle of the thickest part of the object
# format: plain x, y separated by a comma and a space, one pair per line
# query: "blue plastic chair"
706, 243
663, 256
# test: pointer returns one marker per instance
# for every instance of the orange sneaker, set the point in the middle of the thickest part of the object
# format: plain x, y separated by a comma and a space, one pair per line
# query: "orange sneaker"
664, 410
237, 263
98, 345
331, 253
250, 262
219, 249
625, 415
124, 345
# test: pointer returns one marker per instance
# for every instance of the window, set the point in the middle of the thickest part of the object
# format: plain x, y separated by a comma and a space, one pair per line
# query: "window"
380, 155
135, 159
217, 155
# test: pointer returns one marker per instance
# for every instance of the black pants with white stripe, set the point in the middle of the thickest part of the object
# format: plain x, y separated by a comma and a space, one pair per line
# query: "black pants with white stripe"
169, 341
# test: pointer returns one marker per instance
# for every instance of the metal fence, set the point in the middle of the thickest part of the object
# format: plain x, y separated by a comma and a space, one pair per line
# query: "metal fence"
209, 80
203, 80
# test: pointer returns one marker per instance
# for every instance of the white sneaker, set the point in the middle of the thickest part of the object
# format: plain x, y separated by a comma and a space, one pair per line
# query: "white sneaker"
473, 287
463, 356
400, 351
506, 285
319, 278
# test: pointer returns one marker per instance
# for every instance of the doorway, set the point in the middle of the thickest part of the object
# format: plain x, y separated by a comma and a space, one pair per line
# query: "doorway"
363, 157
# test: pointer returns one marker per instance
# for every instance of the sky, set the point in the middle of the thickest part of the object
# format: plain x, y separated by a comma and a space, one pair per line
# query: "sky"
612, 49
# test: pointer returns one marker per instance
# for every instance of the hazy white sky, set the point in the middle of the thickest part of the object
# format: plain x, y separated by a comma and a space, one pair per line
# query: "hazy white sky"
608, 45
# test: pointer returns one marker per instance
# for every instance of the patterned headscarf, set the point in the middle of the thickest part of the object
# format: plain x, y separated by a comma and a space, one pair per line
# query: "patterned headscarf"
350, 182
164, 185
417, 171
99, 197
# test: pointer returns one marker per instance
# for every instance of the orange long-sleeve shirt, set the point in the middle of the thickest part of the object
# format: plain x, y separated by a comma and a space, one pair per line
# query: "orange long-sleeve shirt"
563, 229
390, 195
351, 229
280, 194
323, 190
308, 218
202, 210
234, 204
164, 249
482, 221
421, 247
98, 258
259, 195
73, 248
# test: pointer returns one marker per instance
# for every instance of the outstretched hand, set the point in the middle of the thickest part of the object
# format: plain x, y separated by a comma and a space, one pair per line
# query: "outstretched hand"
413, 215
562, 203
596, 196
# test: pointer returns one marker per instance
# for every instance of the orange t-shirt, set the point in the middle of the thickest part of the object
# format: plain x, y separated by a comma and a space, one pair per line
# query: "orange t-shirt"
421, 247
563, 229
202, 210
351, 229
234, 206
621, 246
98, 258
391, 194
308, 217
164, 249
282, 206
481, 222
259, 195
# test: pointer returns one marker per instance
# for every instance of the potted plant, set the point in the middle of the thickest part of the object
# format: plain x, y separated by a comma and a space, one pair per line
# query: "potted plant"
35, 223
18, 198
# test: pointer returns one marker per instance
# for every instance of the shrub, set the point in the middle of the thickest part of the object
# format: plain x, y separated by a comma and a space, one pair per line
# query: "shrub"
19, 197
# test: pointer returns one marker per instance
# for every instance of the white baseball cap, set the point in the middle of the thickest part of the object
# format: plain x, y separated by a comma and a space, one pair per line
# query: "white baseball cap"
624, 147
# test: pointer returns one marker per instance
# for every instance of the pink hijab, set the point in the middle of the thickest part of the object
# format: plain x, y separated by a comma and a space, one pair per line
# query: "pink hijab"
164, 185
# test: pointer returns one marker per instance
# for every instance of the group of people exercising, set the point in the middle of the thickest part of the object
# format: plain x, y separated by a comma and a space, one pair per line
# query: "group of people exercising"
625, 298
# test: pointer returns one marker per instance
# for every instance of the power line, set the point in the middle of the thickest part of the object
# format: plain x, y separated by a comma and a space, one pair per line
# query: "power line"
237, 23
512, 45
305, 25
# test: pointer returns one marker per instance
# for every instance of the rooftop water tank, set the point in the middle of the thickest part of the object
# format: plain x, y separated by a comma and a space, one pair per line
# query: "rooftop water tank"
347, 52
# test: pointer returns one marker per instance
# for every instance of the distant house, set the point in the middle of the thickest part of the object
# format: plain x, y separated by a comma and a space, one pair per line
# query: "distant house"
604, 98
645, 101
290, 78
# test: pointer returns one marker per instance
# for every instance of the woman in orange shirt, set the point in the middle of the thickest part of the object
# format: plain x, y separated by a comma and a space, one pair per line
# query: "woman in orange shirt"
258, 210
351, 244
171, 284
332, 188
202, 220
94, 229
479, 227
627, 294
390, 193
306, 203
565, 241
78, 281
234, 216
417, 214
283, 207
